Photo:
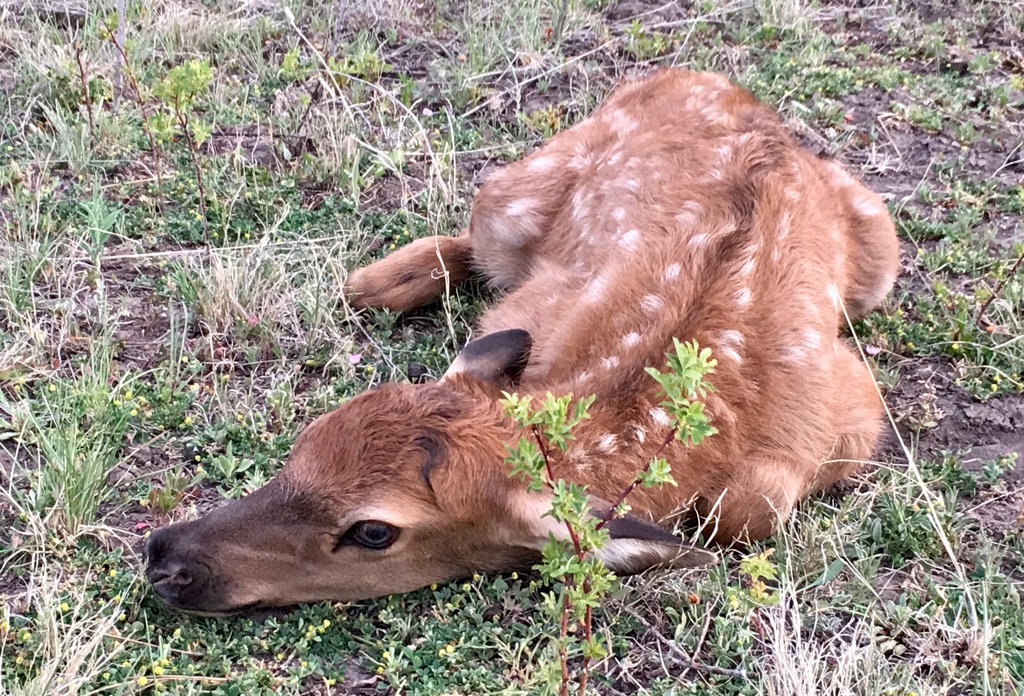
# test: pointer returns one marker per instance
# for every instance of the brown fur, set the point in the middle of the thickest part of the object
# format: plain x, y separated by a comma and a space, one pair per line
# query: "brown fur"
680, 208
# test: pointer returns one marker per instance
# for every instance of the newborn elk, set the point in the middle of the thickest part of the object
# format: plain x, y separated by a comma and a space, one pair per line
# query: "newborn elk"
680, 208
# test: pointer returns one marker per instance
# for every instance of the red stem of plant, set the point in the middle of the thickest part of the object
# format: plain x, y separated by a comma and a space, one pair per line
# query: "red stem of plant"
999, 289
86, 96
563, 658
587, 633
551, 477
183, 122
669, 436
588, 614
153, 146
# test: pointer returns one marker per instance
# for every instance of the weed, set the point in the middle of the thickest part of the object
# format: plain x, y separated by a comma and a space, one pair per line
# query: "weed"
583, 577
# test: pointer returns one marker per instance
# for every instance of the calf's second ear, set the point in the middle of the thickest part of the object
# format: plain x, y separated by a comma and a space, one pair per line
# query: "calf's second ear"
636, 545
498, 358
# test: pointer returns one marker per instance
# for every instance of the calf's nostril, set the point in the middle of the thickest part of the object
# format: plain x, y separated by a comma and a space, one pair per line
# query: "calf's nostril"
170, 579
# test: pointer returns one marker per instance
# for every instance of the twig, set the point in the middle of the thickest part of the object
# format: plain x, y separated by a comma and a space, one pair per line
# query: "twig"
153, 145
687, 661
703, 637
563, 658
193, 153
118, 74
999, 288
86, 96
669, 436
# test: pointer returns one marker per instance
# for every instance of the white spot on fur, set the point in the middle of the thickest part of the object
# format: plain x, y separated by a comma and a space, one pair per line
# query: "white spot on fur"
652, 303
630, 240
810, 341
700, 240
775, 253
513, 230
641, 433
621, 121
730, 353
742, 296
594, 290
632, 184
689, 214
607, 443
731, 337
748, 267
581, 203
730, 342
660, 417
619, 214
631, 339
610, 363
672, 272
584, 376
523, 206
541, 163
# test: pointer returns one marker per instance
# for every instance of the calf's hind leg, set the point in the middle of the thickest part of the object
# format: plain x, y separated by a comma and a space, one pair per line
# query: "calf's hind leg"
413, 276
859, 419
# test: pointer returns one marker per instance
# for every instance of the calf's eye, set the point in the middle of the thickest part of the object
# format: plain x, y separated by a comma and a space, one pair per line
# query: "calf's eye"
369, 534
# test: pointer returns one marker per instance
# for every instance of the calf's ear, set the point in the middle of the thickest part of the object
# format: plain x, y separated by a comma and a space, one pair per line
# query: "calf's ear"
637, 545
498, 358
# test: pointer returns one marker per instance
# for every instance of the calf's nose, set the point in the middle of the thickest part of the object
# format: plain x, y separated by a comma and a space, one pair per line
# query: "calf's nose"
171, 575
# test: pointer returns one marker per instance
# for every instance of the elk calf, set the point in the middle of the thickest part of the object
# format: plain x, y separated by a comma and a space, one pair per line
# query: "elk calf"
680, 208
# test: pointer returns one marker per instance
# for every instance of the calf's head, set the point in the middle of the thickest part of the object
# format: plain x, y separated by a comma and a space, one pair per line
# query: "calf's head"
400, 487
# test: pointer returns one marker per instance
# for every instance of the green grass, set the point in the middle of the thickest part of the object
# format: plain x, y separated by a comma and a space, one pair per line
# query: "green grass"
143, 378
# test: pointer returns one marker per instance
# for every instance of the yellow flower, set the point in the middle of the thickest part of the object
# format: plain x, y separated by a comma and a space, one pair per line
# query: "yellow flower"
143, 680
158, 670
64, 606
449, 649
52, 388
177, 633
380, 670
